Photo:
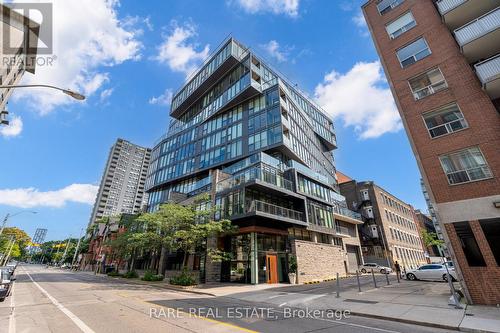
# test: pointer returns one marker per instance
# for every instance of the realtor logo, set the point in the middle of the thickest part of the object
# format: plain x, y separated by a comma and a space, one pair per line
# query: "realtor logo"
37, 36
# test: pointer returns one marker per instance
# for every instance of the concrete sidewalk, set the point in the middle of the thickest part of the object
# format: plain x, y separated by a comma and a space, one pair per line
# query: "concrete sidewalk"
414, 302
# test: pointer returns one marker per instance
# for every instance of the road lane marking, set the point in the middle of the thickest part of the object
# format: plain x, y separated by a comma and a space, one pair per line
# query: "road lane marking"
77, 321
12, 317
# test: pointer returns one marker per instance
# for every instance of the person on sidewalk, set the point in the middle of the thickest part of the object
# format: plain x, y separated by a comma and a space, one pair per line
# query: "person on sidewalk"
397, 268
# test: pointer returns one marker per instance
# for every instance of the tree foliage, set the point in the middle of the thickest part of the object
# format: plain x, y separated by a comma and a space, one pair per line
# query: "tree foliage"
430, 239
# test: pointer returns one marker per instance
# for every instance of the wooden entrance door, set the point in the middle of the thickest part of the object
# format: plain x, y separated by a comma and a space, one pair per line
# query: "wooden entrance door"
272, 268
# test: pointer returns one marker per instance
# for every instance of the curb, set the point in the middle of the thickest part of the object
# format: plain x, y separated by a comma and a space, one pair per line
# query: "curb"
405, 321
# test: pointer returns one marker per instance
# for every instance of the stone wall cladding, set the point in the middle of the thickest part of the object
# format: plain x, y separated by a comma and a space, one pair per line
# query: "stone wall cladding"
318, 261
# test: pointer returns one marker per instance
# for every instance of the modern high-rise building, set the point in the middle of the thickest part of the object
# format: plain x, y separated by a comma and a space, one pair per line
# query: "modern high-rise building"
241, 132
390, 232
18, 40
122, 185
37, 240
442, 61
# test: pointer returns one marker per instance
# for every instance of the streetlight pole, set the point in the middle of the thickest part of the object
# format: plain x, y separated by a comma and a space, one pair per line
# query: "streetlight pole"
74, 94
4, 113
4, 223
11, 245
77, 249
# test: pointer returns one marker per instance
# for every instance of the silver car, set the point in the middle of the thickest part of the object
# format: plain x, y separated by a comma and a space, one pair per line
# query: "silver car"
367, 268
435, 272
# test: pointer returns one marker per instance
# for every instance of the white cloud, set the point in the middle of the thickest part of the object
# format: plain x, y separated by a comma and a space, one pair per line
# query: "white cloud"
178, 52
287, 7
105, 94
87, 36
14, 128
31, 197
163, 99
359, 99
273, 49
360, 22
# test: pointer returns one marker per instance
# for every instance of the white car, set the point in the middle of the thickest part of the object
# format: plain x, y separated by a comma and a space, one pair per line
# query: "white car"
367, 268
435, 272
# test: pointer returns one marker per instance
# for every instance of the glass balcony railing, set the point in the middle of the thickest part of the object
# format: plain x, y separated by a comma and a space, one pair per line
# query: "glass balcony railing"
478, 27
337, 209
264, 207
269, 177
342, 230
488, 69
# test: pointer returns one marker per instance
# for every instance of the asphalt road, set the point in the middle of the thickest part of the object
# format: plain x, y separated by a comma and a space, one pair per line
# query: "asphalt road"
52, 300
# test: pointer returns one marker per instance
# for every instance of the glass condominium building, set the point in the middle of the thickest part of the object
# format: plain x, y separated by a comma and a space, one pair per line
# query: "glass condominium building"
263, 151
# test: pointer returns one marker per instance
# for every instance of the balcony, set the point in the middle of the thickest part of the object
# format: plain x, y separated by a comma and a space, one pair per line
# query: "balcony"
456, 13
488, 72
257, 176
479, 38
338, 231
347, 215
269, 210
229, 54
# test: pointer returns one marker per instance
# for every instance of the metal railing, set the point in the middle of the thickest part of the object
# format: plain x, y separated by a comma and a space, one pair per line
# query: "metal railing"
445, 6
468, 175
430, 89
264, 207
488, 69
478, 27
272, 178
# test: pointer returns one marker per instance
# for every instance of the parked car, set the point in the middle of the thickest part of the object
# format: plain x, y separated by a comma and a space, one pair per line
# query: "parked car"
5, 283
435, 272
367, 267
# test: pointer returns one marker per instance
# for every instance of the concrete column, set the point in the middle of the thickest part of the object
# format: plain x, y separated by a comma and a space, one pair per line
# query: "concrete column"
254, 259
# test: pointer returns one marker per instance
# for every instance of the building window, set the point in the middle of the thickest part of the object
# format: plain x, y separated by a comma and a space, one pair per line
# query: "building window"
400, 25
446, 120
491, 230
413, 52
465, 166
469, 244
427, 84
386, 6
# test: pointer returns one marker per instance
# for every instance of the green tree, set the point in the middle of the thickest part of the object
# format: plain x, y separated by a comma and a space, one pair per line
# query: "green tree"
186, 227
21, 239
431, 239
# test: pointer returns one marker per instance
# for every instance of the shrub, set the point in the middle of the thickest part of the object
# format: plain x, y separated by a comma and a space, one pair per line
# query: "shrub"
151, 276
131, 275
114, 273
183, 279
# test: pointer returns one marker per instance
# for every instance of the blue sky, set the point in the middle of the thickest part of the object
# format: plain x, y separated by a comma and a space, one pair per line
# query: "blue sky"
127, 57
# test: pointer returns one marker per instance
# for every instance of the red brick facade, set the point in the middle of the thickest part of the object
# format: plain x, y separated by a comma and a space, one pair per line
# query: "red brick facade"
483, 283
479, 111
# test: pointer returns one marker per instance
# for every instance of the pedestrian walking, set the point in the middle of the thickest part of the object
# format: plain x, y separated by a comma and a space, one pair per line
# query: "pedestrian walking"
397, 268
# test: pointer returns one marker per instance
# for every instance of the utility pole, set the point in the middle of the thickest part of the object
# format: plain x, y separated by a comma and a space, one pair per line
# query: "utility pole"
77, 248
4, 223
12, 242
65, 250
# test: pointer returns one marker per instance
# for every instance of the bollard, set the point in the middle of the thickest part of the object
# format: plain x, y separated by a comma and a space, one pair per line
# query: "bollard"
387, 278
374, 281
338, 286
357, 278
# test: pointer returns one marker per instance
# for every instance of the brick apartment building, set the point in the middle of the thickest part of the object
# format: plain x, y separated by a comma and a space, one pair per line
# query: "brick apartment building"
390, 232
442, 62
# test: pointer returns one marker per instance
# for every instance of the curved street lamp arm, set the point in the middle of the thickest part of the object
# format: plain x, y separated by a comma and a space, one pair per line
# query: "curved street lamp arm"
71, 93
